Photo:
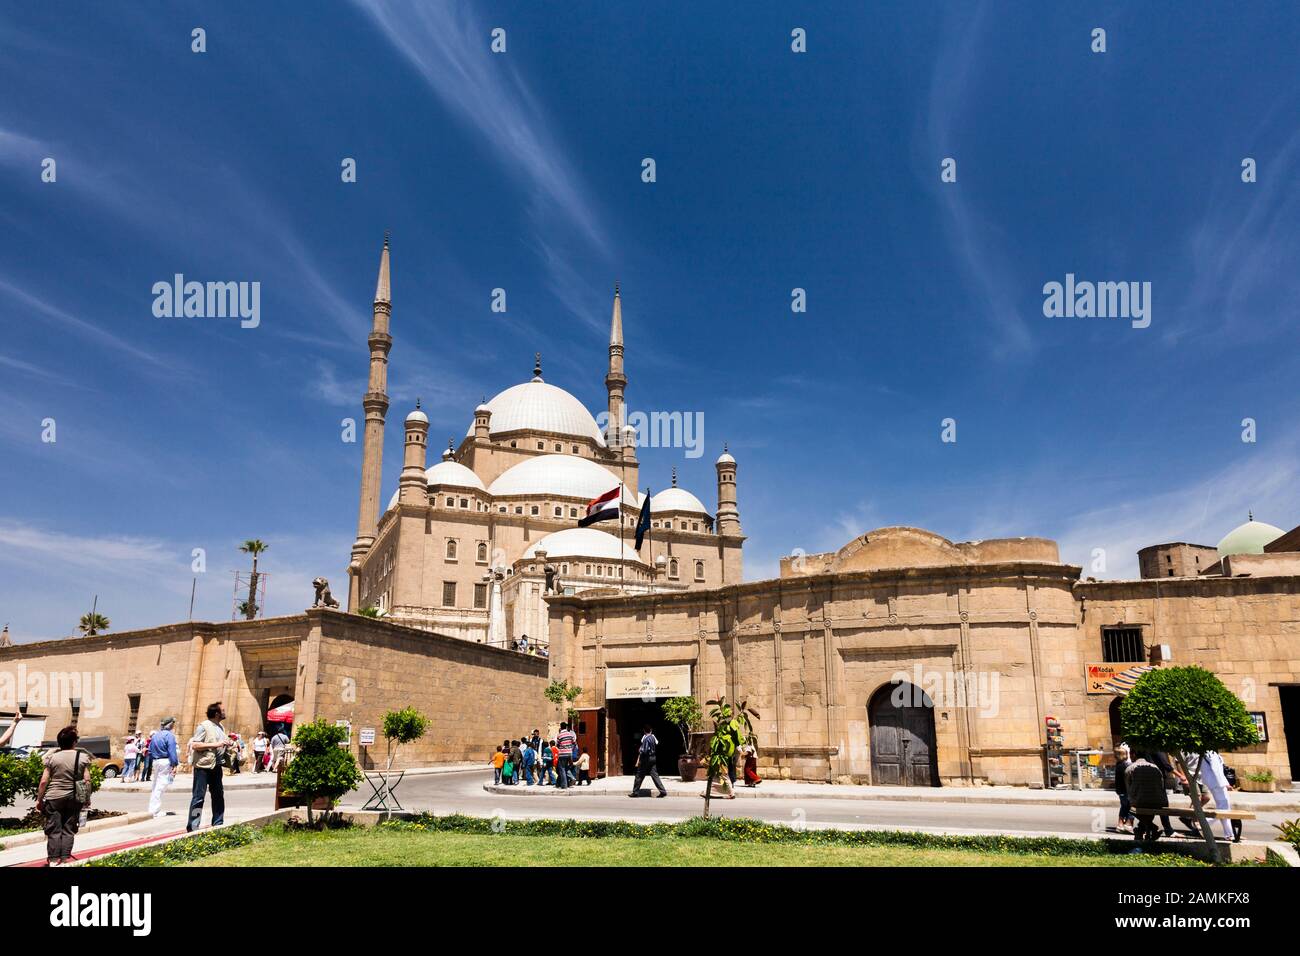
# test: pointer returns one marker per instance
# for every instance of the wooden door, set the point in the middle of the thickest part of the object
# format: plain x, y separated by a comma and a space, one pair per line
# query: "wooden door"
902, 740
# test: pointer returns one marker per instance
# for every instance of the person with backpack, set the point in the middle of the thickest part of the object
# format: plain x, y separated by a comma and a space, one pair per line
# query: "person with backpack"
566, 740
645, 763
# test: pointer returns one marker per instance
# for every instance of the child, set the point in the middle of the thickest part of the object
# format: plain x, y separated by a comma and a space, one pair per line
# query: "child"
584, 769
498, 761
508, 771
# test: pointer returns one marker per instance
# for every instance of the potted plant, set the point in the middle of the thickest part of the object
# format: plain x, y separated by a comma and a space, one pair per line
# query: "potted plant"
685, 714
321, 771
1258, 781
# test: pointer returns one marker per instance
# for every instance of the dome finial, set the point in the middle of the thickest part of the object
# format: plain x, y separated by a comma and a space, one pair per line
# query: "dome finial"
1250, 515
616, 288
674, 476
385, 238
417, 401
537, 365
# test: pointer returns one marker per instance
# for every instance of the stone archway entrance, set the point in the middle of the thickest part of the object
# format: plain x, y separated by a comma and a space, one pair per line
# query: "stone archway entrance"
903, 752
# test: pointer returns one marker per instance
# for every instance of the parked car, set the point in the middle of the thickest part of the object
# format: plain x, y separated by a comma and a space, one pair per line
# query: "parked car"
101, 752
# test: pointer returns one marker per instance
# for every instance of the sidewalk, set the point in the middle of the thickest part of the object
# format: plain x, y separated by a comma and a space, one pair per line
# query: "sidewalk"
789, 789
137, 830
256, 781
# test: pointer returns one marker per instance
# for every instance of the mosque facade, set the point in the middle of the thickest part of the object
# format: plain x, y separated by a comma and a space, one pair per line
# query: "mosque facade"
463, 547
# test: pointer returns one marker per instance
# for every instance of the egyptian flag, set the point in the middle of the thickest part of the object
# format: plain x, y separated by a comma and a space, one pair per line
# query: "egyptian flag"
643, 522
603, 508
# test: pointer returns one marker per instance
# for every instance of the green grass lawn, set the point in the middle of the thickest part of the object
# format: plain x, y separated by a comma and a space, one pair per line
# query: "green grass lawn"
384, 847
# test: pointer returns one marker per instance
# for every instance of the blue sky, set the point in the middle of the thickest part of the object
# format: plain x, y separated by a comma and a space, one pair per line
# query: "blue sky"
521, 170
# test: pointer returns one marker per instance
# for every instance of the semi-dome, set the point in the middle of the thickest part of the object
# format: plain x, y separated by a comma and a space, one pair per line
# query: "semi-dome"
677, 499
1248, 538
581, 543
449, 474
564, 476
538, 406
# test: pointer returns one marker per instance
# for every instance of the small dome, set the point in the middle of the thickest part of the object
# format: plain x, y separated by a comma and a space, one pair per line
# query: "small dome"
677, 499
446, 474
564, 476
726, 459
1248, 538
581, 543
417, 416
537, 406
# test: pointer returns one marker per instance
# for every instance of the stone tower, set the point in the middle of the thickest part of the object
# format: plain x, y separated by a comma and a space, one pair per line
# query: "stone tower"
375, 403
729, 519
615, 381
412, 489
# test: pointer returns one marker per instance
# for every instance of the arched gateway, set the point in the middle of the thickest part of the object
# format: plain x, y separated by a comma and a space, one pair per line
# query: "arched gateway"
901, 718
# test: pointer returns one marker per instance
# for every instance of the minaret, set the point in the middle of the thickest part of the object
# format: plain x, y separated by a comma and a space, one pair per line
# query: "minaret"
728, 513
412, 489
615, 381
375, 402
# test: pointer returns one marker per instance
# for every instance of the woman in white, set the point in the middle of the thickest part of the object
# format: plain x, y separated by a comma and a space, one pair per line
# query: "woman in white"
1215, 782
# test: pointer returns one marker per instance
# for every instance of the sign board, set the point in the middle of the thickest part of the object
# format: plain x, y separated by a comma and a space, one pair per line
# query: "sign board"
1261, 724
367, 736
1113, 679
673, 680
348, 725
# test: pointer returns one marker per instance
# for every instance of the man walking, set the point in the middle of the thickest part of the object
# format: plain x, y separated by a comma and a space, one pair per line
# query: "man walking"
645, 763
565, 741
162, 750
208, 745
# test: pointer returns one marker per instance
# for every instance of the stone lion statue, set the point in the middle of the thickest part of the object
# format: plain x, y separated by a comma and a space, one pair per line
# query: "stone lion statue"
323, 596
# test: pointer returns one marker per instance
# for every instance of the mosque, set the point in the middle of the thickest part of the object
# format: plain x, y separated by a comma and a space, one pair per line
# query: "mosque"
900, 658
463, 547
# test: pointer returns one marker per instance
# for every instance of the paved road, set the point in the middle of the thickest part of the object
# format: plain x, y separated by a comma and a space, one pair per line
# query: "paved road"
462, 792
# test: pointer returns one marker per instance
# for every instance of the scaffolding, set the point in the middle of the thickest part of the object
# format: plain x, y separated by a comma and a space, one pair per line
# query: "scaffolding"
248, 586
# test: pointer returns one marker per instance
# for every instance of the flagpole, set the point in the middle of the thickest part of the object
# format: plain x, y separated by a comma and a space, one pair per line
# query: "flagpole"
622, 585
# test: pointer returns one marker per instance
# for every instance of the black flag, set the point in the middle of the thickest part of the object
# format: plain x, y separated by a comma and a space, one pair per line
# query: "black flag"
643, 522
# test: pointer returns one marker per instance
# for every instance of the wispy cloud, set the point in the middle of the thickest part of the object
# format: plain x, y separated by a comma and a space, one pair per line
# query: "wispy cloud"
90, 330
979, 245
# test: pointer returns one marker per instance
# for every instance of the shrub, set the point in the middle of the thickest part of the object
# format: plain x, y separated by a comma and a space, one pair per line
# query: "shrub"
320, 768
1290, 830
182, 850
1260, 776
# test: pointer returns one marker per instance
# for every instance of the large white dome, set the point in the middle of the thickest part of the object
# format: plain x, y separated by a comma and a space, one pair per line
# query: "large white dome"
564, 476
537, 406
677, 499
581, 543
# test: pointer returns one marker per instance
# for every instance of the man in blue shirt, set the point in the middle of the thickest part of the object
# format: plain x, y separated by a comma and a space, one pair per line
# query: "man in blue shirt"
162, 750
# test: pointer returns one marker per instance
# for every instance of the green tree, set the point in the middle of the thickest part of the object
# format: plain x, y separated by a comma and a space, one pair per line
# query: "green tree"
21, 776
1185, 712
255, 547
400, 727
92, 624
561, 694
685, 714
320, 766
732, 729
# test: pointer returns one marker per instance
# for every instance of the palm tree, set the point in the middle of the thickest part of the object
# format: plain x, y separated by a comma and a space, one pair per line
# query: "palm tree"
92, 624
255, 546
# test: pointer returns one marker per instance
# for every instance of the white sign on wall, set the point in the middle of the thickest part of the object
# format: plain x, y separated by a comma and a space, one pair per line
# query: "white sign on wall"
673, 680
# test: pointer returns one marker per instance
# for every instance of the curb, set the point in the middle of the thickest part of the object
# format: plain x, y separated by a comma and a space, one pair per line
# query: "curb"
92, 826
258, 821
1105, 800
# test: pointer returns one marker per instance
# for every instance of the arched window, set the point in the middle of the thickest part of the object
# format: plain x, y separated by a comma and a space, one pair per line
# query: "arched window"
699, 570
672, 568
482, 552
451, 549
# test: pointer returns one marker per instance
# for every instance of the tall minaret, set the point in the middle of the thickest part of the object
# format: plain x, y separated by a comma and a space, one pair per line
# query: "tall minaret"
615, 381
728, 512
375, 402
